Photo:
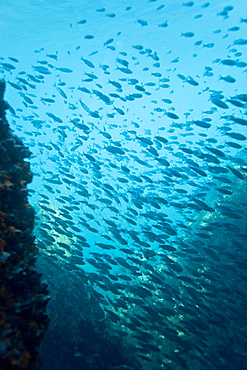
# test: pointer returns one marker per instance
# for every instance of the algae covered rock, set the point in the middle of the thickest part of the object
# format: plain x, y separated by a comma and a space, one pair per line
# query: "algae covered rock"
23, 296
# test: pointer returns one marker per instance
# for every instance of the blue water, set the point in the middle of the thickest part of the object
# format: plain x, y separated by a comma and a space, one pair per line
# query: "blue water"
136, 117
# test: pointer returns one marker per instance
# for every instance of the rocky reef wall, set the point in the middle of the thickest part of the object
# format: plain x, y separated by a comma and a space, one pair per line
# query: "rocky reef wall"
23, 295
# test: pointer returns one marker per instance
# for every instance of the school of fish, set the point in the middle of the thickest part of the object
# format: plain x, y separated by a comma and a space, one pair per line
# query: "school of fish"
142, 200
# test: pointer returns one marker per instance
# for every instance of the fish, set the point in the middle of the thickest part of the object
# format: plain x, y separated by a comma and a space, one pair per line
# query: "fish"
202, 124
228, 62
240, 42
105, 246
87, 62
109, 41
172, 115
188, 34
42, 70
102, 97
111, 15
191, 81
83, 21
144, 140
61, 92
15, 86
48, 100
125, 70
119, 111
7, 66
142, 22
124, 62
84, 89
13, 59
139, 179
228, 78
236, 135
236, 173
164, 25
115, 84
219, 103
199, 171
161, 139
55, 118
52, 56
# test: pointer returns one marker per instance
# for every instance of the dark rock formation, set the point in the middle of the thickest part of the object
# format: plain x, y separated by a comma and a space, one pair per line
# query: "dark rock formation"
23, 297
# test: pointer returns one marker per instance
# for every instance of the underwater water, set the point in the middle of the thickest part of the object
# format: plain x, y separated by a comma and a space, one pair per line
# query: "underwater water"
135, 113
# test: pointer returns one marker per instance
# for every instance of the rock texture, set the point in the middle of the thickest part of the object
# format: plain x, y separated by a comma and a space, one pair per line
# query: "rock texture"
23, 296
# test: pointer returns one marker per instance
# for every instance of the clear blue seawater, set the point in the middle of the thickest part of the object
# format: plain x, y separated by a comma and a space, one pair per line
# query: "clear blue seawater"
135, 113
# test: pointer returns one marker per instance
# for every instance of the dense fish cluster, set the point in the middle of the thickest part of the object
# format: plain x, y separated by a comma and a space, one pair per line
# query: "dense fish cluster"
140, 179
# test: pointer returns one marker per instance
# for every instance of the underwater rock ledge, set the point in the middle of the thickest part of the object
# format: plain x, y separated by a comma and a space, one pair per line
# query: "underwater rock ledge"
23, 296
